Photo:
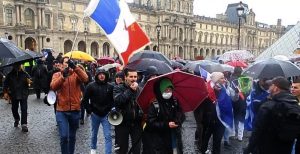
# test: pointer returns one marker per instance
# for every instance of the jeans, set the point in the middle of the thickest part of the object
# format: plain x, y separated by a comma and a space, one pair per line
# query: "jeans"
96, 121
15, 112
68, 123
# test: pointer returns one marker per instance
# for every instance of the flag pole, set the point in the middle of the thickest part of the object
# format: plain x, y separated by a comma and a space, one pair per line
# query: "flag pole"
73, 45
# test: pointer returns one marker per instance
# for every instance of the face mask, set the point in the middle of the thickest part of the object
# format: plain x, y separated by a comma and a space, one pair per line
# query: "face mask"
167, 95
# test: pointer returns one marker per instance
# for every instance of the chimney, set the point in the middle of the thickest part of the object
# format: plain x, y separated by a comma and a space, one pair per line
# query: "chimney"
278, 22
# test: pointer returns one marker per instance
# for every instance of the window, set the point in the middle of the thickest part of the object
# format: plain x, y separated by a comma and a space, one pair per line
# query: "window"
48, 21
74, 24
60, 23
29, 18
169, 5
73, 6
59, 4
8, 17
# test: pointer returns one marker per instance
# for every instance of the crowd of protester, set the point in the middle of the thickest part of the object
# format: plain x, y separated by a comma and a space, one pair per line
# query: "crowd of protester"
85, 88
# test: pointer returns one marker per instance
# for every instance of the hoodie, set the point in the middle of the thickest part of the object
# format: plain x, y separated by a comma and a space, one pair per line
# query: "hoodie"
99, 94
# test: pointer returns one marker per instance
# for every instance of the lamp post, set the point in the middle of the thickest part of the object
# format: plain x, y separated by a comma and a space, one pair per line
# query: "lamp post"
85, 34
240, 11
6, 35
158, 28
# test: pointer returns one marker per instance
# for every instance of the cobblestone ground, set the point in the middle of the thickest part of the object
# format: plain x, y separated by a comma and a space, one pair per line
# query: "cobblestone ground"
43, 138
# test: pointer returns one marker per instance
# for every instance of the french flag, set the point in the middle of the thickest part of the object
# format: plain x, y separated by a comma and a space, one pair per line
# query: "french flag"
120, 27
204, 74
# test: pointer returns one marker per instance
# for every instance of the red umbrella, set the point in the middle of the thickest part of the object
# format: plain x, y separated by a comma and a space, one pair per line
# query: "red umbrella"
190, 90
105, 60
237, 63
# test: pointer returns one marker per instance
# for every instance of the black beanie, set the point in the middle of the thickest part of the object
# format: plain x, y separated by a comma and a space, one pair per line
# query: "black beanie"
282, 83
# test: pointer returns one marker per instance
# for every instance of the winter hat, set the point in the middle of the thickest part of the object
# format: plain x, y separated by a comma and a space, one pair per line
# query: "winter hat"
282, 83
215, 76
120, 75
164, 84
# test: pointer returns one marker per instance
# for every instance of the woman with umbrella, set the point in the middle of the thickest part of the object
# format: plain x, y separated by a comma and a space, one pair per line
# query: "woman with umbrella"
162, 133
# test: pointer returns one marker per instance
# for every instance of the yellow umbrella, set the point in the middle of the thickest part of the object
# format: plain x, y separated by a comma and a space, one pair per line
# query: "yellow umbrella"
79, 55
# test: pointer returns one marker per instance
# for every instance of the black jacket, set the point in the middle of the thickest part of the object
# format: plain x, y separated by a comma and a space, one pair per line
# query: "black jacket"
264, 139
100, 94
40, 76
17, 85
157, 134
125, 101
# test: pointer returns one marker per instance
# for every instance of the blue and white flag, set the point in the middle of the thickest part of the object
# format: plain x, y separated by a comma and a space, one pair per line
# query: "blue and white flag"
204, 74
254, 99
224, 109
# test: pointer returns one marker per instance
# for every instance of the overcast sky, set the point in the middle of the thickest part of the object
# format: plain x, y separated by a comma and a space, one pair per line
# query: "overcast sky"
267, 11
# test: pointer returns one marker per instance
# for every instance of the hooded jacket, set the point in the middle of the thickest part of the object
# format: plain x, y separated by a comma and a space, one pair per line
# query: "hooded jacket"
264, 138
158, 134
68, 89
16, 84
100, 94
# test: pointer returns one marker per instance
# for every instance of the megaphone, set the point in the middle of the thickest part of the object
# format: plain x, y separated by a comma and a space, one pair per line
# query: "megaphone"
114, 117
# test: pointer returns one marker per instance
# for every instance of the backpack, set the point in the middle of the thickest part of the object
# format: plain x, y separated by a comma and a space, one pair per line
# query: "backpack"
286, 119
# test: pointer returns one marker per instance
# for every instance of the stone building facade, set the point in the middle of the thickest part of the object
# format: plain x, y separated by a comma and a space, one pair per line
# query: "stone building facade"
38, 24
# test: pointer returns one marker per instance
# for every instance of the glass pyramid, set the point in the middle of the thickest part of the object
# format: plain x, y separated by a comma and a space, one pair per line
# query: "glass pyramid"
286, 45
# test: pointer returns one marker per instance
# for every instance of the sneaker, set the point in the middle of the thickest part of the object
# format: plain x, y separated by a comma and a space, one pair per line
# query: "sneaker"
81, 122
240, 139
24, 128
16, 123
93, 151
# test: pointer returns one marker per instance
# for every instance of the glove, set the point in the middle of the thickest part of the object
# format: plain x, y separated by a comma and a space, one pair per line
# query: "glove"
65, 72
71, 64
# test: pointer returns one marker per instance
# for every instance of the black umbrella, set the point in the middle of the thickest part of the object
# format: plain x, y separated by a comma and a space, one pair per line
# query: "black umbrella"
34, 55
9, 50
143, 64
4, 62
176, 64
271, 68
209, 66
150, 54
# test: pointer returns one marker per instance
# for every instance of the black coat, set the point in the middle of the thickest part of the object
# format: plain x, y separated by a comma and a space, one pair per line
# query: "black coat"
157, 136
264, 139
125, 101
17, 85
40, 76
100, 94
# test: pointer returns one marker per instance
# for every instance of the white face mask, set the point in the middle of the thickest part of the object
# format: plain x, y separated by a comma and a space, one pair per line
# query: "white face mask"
167, 95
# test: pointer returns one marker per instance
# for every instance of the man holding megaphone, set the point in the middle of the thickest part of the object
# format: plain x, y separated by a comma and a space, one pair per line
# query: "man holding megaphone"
125, 95
100, 95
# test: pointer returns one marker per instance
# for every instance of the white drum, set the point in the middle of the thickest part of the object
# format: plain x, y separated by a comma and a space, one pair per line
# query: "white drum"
51, 97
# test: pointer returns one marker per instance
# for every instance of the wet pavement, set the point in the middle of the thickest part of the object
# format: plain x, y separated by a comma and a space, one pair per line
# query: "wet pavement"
43, 138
